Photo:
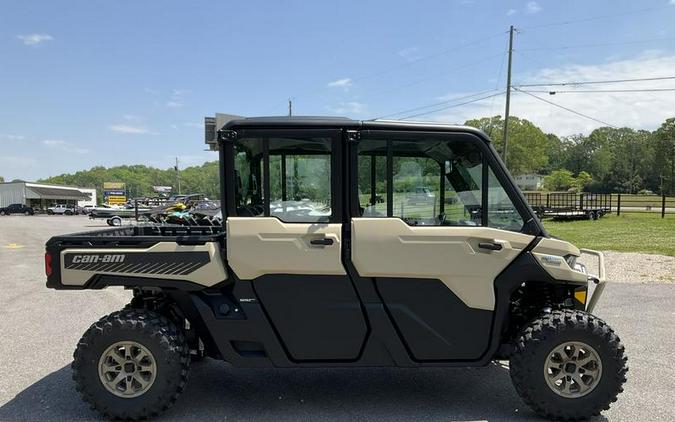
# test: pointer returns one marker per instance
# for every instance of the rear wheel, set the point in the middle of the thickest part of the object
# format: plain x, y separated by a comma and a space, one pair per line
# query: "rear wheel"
568, 365
131, 365
115, 221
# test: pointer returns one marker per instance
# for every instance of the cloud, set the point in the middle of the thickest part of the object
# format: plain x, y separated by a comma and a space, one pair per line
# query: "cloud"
340, 83
175, 100
512, 12
35, 39
409, 54
348, 107
53, 142
532, 7
639, 110
64, 146
10, 137
128, 129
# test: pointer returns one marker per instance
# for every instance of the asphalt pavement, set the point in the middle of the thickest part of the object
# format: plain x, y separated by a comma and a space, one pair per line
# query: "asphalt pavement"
40, 327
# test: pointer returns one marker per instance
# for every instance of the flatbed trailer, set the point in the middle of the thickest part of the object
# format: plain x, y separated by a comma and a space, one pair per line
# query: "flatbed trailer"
567, 205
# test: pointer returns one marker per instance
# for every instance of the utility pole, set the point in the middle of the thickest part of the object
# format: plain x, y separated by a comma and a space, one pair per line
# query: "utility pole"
508, 97
177, 175
290, 107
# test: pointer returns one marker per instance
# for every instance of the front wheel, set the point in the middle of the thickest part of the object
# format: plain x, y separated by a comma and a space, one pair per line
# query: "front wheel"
131, 365
568, 365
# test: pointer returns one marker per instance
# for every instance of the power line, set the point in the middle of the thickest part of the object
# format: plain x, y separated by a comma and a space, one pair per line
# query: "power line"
609, 81
591, 91
567, 109
310, 93
569, 47
451, 106
427, 57
410, 110
398, 88
593, 18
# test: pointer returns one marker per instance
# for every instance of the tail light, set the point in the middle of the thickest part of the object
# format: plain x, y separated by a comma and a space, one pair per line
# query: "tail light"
48, 264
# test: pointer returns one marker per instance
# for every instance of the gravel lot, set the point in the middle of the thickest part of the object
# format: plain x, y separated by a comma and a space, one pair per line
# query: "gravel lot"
40, 328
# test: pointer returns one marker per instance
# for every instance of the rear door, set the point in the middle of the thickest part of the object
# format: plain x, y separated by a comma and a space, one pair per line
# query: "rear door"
284, 236
433, 257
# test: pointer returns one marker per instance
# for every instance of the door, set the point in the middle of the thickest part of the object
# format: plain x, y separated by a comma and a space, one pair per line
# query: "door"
284, 236
434, 229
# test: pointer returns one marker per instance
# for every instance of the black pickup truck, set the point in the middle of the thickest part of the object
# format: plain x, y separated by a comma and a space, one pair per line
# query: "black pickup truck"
17, 209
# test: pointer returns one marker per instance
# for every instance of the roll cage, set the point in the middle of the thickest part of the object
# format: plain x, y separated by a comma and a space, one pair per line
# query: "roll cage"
346, 135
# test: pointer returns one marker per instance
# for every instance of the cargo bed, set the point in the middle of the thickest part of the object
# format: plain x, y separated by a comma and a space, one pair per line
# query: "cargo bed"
189, 258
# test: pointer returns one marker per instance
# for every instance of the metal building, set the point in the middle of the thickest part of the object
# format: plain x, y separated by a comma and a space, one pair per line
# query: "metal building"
41, 196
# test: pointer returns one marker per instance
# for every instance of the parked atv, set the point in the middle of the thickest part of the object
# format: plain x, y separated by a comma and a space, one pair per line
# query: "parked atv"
322, 261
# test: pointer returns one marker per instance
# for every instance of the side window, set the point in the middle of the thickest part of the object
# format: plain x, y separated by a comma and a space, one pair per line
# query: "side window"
299, 173
416, 195
433, 182
427, 179
501, 212
248, 161
300, 180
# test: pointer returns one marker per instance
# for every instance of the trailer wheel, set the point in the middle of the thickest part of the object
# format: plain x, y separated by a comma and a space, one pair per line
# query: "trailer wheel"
568, 365
131, 365
114, 221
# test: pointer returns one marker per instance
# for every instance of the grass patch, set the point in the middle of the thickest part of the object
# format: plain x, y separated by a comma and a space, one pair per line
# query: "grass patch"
640, 232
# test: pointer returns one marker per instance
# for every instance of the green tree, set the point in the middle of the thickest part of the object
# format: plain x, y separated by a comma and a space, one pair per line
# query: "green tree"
527, 148
140, 179
559, 180
2, 179
582, 180
663, 174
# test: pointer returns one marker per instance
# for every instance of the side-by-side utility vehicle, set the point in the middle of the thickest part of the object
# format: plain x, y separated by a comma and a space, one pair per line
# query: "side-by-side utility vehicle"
327, 257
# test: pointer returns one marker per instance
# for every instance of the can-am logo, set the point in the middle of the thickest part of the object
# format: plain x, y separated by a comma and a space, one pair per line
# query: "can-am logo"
93, 259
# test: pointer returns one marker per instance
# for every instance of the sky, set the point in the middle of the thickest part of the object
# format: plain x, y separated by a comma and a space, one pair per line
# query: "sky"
102, 82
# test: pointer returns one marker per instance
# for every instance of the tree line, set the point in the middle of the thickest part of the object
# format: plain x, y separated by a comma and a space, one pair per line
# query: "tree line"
606, 160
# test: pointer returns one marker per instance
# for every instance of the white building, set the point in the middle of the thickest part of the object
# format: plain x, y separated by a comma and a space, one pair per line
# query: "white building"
528, 182
41, 196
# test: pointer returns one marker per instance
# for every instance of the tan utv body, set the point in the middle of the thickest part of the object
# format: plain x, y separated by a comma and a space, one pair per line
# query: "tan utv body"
346, 243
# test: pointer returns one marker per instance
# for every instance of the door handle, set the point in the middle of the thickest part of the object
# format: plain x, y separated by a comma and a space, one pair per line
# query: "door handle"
324, 241
490, 246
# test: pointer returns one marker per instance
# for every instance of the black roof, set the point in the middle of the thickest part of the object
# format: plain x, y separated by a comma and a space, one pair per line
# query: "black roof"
344, 122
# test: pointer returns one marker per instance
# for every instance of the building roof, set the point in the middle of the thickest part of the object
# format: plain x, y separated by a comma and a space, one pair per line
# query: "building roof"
43, 192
